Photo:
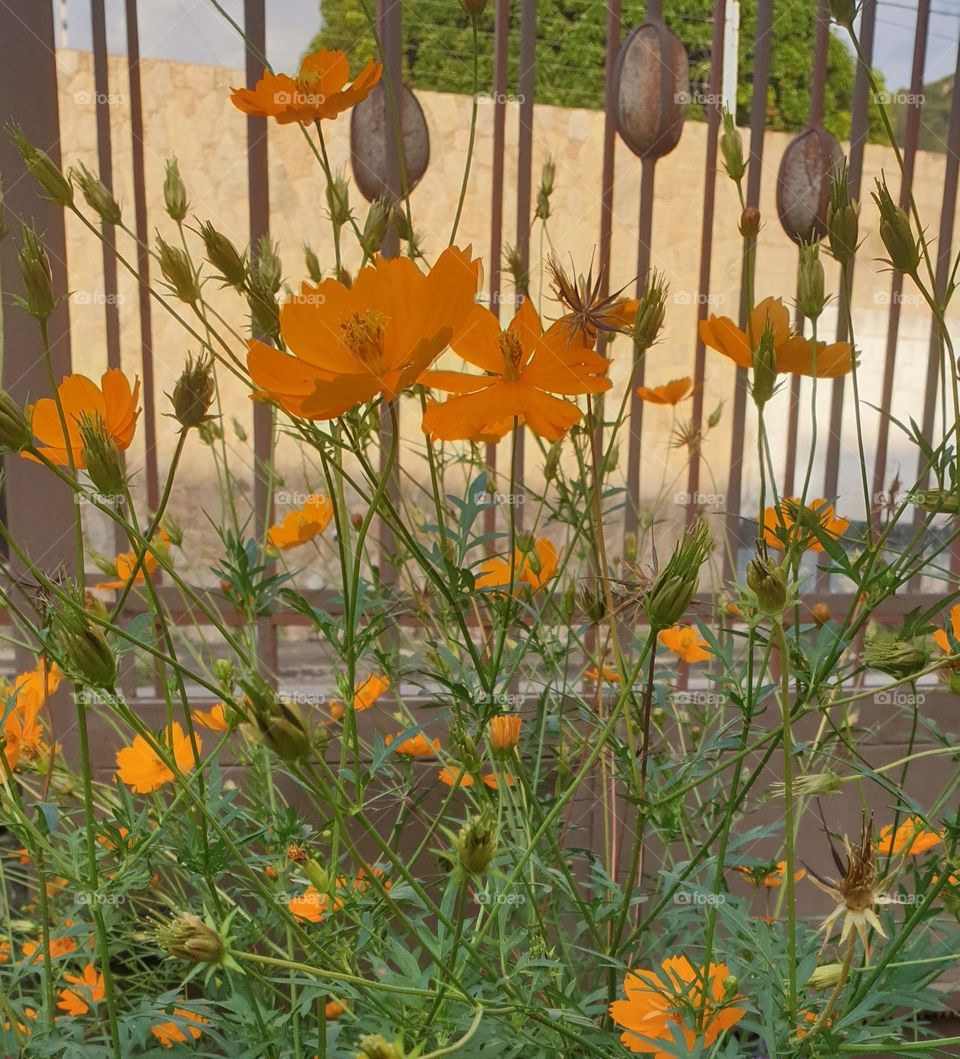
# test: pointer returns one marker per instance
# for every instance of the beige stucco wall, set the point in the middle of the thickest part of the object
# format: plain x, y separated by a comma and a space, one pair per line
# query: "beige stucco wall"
188, 113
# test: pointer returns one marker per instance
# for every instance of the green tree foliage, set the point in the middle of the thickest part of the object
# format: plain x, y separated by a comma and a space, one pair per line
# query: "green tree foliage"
571, 52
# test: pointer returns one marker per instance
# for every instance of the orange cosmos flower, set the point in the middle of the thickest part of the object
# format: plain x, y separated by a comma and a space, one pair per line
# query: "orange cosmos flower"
317, 92
607, 674
301, 525
523, 368
492, 780
455, 777
416, 746
940, 637
214, 719
90, 990
22, 727
126, 562
139, 767
313, 905
504, 732
171, 1033
61, 946
771, 878
911, 838
794, 353
376, 337
530, 568
364, 697
686, 643
333, 1010
672, 392
114, 401
789, 523
657, 1001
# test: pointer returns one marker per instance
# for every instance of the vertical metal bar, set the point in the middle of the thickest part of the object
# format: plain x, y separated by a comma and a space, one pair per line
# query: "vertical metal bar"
101, 88
858, 139
143, 253
38, 509
500, 55
910, 140
258, 177
526, 87
390, 32
821, 44
763, 45
706, 240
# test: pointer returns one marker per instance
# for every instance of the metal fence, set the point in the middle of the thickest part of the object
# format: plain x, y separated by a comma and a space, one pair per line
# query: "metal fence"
28, 93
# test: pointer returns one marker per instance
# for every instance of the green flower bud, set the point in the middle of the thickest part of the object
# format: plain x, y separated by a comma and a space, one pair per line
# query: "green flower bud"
279, 724
810, 282
764, 368
318, 875
650, 313
843, 12
768, 582
476, 845
267, 266
224, 256
714, 418
937, 501
178, 272
675, 586
338, 200
843, 218
15, 431
98, 195
373, 1046
825, 976
896, 658
896, 232
314, 271
174, 193
41, 167
88, 656
375, 227
193, 393
474, 7
102, 457
189, 938
515, 266
547, 178
37, 277
731, 149
264, 314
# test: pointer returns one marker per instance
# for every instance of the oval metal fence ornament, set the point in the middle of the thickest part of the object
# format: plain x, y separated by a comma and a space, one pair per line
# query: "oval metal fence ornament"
371, 138
803, 184
652, 83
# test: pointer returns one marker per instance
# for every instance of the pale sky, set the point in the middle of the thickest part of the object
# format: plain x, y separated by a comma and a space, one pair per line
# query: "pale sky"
193, 31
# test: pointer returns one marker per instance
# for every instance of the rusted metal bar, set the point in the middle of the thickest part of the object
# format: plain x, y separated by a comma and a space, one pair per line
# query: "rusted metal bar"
135, 90
706, 241
736, 534
858, 138
258, 178
910, 141
526, 87
38, 509
500, 56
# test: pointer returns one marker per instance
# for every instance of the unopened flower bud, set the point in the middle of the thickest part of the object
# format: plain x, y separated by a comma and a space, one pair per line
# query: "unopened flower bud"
515, 266
764, 368
476, 845
896, 658
675, 586
314, 271
714, 418
101, 456
267, 266
750, 222
37, 277
338, 200
317, 874
650, 313
193, 393
224, 256
373, 1046
178, 272
843, 12
820, 613
375, 226
630, 547
547, 178
474, 7
552, 462
41, 167
87, 654
189, 938
810, 282
97, 194
825, 976
843, 218
731, 149
174, 193
768, 582
15, 432
279, 723
896, 232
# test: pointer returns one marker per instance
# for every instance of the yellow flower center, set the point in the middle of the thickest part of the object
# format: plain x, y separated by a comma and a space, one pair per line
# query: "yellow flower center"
512, 353
363, 336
